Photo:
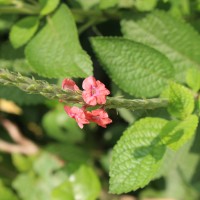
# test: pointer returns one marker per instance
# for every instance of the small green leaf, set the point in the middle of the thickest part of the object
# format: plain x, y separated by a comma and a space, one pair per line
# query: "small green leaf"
55, 51
177, 133
23, 31
21, 162
6, 193
145, 5
48, 6
104, 4
193, 78
137, 69
63, 192
59, 126
137, 156
46, 164
181, 101
85, 183
175, 39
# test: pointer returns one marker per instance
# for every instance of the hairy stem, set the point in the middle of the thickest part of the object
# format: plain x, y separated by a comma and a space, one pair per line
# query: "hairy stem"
50, 91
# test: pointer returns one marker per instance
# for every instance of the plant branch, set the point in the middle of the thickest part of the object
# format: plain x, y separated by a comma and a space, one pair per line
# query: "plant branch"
51, 91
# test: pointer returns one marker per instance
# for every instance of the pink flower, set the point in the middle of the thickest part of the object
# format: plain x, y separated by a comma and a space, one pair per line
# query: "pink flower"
99, 116
94, 91
69, 84
78, 114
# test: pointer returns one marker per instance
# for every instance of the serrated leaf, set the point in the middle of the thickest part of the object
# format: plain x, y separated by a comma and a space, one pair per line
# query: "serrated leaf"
137, 156
48, 6
85, 183
193, 79
177, 133
176, 39
137, 69
181, 101
63, 192
23, 30
55, 51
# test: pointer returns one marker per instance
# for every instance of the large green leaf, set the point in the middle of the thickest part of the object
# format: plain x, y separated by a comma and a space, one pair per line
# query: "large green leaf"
137, 69
177, 40
55, 51
137, 156
23, 30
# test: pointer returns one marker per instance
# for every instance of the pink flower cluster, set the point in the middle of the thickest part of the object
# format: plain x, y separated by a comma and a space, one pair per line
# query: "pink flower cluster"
94, 93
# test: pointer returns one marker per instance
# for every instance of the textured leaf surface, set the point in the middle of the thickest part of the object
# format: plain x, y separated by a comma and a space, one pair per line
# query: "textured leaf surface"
85, 183
181, 101
55, 51
175, 134
137, 156
177, 40
193, 78
137, 69
48, 6
23, 30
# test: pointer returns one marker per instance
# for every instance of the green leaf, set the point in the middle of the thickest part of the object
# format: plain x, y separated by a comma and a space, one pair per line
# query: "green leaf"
55, 51
137, 69
105, 4
61, 127
38, 184
48, 6
193, 79
46, 164
13, 58
145, 5
181, 101
21, 162
85, 183
177, 133
20, 97
176, 39
137, 156
6, 193
74, 156
23, 31
63, 192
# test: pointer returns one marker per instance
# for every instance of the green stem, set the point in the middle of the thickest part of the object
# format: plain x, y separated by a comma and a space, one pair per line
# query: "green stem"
51, 91
20, 7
